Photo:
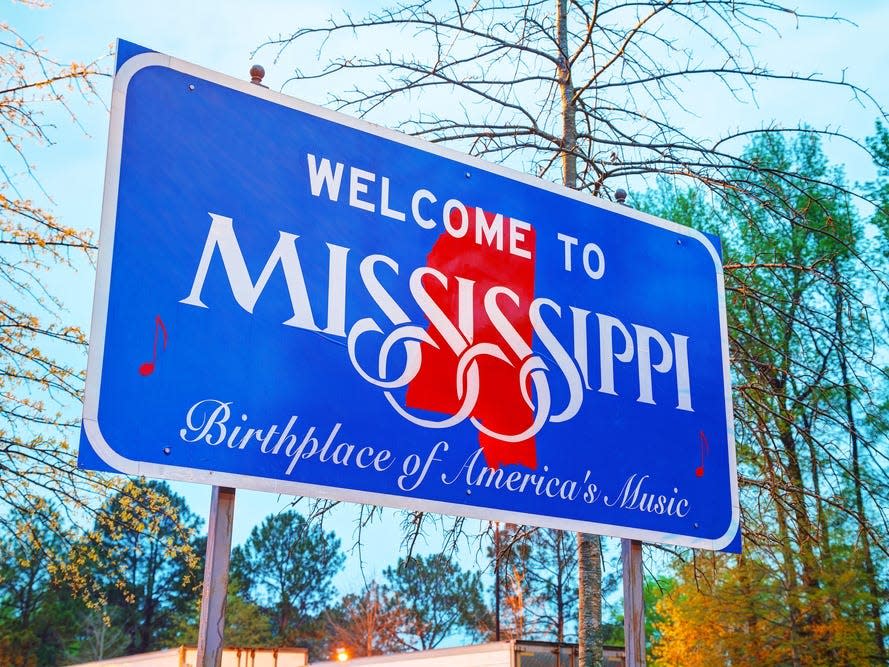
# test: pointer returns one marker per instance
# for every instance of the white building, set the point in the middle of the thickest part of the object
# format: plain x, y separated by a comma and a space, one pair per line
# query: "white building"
493, 654
186, 656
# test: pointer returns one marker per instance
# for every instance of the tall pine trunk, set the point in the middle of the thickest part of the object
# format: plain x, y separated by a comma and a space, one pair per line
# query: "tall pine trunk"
589, 569
870, 573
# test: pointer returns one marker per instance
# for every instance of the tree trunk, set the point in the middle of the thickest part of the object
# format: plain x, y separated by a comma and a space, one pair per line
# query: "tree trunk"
805, 533
793, 602
589, 569
815, 466
589, 607
785, 427
869, 569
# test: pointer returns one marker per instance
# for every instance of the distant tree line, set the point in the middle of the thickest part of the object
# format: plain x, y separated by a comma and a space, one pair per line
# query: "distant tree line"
144, 588
144, 583
138, 567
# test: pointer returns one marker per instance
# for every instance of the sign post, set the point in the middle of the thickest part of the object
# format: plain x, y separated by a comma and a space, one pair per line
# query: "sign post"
634, 605
211, 630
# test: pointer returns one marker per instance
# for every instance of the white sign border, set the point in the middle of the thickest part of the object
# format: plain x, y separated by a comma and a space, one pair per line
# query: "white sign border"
100, 312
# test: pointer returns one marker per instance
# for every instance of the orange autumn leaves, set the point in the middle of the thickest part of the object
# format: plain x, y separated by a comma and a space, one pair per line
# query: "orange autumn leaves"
734, 610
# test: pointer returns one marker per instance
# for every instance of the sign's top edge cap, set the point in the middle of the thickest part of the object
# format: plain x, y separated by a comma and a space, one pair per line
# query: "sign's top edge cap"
126, 50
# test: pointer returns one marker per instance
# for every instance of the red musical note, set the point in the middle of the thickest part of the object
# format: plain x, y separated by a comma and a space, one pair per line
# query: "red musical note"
705, 449
147, 368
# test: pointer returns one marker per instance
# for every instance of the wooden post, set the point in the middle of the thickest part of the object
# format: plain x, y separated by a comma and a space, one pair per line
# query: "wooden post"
219, 546
634, 606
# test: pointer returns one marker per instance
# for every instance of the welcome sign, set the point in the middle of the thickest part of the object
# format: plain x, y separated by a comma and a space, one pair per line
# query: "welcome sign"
296, 301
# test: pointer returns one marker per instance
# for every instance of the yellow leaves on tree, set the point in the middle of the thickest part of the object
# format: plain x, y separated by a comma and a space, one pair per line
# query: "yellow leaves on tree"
729, 610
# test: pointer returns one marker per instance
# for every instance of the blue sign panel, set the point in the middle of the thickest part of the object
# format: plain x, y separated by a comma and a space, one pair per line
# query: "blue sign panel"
296, 301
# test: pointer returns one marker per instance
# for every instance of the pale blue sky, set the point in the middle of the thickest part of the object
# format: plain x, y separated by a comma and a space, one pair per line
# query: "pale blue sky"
221, 36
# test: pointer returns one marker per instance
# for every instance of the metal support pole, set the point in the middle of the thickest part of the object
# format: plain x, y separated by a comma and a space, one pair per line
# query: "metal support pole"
497, 581
634, 606
219, 546
631, 555
211, 631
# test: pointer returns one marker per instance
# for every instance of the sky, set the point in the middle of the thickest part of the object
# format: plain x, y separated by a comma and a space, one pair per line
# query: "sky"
222, 36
